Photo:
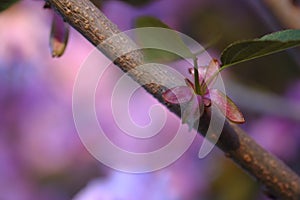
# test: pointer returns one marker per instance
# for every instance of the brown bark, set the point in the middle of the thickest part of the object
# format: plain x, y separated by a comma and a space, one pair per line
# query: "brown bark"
286, 12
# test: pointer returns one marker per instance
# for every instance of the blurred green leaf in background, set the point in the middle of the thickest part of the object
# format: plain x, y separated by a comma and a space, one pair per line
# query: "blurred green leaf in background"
166, 38
5, 4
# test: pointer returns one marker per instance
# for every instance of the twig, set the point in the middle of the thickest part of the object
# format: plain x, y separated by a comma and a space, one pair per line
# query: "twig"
279, 180
285, 11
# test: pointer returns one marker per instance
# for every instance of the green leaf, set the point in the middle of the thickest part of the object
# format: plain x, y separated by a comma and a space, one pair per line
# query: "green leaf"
4, 4
250, 49
164, 38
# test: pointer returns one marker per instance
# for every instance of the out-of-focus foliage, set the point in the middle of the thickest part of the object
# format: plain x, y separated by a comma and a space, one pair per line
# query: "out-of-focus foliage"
160, 39
4, 4
149, 21
137, 2
231, 183
97, 3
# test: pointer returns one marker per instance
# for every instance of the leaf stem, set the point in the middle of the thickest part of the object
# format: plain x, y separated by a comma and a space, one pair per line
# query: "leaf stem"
196, 76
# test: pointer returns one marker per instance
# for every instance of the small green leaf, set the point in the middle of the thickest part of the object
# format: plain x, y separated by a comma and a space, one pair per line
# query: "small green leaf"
164, 38
5, 4
250, 49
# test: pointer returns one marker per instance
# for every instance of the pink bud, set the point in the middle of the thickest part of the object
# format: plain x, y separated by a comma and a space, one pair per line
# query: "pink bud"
59, 36
178, 95
226, 106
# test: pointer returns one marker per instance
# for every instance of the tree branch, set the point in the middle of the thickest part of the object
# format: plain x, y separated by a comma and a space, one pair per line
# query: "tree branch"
285, 11
279, 179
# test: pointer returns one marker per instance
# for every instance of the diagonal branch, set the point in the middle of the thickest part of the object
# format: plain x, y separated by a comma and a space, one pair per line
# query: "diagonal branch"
278, 178
285, 11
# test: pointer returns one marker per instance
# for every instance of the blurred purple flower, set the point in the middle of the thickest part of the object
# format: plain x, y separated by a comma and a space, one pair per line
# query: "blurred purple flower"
293, 92
179, 181
280, 136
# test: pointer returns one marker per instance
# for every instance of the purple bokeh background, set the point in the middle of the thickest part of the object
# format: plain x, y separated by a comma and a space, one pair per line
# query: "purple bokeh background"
41, 155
